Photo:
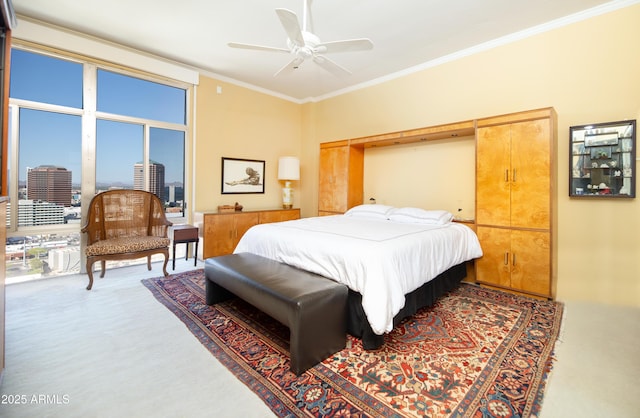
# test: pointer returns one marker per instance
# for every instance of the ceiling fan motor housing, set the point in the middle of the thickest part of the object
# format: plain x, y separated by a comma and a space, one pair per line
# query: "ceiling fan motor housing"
307, 50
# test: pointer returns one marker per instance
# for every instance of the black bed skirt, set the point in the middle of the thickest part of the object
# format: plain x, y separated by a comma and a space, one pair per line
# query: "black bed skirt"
426, 295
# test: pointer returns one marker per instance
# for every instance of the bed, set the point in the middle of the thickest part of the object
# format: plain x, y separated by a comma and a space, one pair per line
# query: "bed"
393, 260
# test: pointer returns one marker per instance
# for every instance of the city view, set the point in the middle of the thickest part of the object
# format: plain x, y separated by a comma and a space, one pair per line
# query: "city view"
48, 197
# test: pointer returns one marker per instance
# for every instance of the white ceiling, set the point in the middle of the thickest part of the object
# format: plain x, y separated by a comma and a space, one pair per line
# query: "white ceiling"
407, 34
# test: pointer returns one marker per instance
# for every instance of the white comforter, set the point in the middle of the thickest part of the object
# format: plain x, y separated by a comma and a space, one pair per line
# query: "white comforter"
380, 259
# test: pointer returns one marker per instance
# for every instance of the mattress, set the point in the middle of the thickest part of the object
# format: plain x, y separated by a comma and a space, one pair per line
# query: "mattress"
380, 259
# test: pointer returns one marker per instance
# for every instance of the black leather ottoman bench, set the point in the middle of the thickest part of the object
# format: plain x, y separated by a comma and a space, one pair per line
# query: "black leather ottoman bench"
313, 307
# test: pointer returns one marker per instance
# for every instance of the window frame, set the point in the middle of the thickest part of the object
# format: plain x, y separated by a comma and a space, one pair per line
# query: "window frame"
89, 116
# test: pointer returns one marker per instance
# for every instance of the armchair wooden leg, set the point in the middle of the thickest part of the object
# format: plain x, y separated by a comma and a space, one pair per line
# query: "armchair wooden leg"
164, 266
125, 256
90, 273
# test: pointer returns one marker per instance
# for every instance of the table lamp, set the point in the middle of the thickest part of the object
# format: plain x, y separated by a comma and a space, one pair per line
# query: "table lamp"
288, 170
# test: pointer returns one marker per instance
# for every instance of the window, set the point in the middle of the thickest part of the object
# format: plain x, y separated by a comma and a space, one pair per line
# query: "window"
158, 112
45, 79
62, 150
49, 167
124, 95
166, 151
119, 146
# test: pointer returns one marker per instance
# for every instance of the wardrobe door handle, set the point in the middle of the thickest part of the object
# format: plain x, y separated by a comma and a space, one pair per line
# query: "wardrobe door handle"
506, 258
514, 175
514, 259
506, 175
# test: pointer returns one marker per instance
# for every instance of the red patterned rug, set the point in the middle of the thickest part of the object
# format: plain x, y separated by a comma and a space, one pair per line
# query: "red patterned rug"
476, 353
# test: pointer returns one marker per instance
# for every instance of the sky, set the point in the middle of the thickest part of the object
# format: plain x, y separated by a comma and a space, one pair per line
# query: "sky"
48, 138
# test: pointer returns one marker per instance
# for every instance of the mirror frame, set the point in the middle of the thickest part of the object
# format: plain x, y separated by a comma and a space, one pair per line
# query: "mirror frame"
602, 160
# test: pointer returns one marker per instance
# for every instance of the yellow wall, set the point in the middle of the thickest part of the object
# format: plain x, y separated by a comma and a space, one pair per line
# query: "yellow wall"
241, 123
588, 71
436, 175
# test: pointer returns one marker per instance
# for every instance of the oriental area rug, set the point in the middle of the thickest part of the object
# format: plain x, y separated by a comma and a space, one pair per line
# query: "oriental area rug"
475, 353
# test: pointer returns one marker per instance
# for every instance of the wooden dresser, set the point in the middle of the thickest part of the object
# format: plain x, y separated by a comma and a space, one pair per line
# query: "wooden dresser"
222, 231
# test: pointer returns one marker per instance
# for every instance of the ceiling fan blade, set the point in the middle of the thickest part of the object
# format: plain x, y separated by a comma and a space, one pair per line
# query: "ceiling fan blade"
258, 47
290, 66
362, 44
291, 25
331, 66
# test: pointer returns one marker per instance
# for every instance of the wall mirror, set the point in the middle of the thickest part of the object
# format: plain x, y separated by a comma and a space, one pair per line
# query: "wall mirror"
603, 160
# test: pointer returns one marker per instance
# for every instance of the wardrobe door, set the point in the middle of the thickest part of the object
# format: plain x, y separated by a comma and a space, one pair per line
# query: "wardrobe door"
341, 178
531, 262
334, 179
530, 174
493, 168
494, 267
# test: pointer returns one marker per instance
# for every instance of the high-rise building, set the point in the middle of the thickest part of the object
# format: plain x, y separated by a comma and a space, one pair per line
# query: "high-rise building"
174, 192
35, 213
156, 178
49, 183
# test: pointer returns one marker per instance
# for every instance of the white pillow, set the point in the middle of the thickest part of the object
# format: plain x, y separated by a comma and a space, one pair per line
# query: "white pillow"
420, 216
370, 211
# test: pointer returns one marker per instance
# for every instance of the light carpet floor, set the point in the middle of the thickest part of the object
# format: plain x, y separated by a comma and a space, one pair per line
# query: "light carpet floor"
115, 351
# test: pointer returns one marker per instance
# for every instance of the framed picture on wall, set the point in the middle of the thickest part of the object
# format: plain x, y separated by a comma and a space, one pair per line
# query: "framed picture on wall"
602, 160
242, 176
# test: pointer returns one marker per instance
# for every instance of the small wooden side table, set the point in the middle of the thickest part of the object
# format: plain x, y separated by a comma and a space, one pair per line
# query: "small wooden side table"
184, 234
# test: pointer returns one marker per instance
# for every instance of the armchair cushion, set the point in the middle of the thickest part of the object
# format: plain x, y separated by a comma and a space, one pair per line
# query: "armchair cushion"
126, 245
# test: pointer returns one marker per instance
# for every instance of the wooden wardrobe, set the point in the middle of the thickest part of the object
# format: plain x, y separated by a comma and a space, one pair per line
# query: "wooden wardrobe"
515, 216
515, 201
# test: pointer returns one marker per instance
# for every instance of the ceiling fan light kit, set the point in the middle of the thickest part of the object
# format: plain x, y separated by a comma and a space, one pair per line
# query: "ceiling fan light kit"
304, 45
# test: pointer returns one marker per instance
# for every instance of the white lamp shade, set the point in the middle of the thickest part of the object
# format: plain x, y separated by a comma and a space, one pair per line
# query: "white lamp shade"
288, 168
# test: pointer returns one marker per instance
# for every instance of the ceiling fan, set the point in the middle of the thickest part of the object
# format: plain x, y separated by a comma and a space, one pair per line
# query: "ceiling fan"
303, 44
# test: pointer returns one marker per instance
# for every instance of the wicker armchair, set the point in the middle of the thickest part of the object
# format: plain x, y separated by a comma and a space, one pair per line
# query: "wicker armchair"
125, 224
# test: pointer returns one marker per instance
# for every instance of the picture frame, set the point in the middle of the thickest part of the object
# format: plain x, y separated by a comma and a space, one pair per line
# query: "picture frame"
602, 160
242, 176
